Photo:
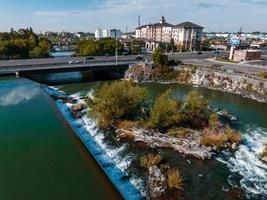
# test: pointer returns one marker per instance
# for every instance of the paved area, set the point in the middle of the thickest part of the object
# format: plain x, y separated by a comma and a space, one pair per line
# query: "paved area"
205, 59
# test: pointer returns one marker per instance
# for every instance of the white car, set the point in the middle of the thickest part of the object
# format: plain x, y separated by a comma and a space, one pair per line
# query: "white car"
74, 62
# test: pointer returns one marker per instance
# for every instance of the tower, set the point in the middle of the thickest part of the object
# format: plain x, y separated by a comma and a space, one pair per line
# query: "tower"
162, 20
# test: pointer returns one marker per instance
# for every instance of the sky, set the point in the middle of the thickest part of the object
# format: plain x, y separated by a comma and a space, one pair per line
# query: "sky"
88, 15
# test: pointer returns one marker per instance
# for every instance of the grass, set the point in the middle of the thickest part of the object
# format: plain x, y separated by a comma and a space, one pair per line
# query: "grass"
150, 160
210, 138
174, 179
126, 124
262, 74
213, 139
233, 136
264, 153
224, 59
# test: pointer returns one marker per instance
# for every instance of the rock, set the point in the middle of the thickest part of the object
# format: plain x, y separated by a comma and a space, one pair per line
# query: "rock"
234, 146
76, 110
188, 146
156, 183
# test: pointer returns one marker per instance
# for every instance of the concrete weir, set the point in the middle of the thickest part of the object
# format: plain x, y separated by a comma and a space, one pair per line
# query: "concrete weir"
116, 176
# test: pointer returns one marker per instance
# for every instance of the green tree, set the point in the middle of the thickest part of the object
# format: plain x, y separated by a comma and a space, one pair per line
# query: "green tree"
165, 111
214, 121
172, 45
116, 101
195, 110
160, 59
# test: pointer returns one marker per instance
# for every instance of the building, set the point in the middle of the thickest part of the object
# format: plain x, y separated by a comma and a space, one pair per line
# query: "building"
115, 33
244, 55
98, 34
187, 34
105, 33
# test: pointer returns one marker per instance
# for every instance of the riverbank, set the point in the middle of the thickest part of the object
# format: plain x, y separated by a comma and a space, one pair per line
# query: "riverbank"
86, 131
248, 86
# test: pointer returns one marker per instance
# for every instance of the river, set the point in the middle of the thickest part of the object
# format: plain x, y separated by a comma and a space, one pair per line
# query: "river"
41, 158
227, 177
219, 178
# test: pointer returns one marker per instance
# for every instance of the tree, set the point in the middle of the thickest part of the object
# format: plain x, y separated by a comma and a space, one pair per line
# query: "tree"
195, 110
172, 45
160, 59
165, 111
106, 46
23, 44
117, 101
214, 121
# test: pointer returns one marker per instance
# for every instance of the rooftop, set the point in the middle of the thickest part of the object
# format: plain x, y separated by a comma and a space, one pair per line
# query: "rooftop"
164, 23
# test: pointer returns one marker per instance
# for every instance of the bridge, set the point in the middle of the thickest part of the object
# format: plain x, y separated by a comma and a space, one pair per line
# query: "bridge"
50, 65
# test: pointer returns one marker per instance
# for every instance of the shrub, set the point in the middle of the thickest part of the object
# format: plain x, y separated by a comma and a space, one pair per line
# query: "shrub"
194, 112
213, 139
263, 74
165, 111
126, 124
264, 153
150, 160
233, 136
174, 179
214, 121
116, 101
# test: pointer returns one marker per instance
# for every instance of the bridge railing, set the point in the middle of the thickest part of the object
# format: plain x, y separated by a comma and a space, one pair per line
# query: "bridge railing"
111, 62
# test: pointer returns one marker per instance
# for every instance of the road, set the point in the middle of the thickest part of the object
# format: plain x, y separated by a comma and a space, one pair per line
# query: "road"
205, 59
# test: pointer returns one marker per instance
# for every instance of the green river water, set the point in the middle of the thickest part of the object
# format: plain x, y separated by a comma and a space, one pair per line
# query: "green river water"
40, 158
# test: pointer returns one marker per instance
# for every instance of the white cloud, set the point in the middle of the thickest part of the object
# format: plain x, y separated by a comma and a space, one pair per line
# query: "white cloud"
17, 96
219, 15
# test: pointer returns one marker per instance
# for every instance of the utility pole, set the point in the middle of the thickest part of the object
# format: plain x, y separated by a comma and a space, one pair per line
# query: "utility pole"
139, 21
116, 52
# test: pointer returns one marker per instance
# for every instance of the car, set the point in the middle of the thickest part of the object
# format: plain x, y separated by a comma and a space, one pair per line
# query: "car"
139, 58
89, 58
74, 62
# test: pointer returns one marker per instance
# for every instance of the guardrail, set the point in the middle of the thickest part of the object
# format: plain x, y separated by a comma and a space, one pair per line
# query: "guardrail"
90, 63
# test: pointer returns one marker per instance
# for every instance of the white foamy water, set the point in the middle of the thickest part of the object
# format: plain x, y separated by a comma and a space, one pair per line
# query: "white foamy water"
121, 162
246, 162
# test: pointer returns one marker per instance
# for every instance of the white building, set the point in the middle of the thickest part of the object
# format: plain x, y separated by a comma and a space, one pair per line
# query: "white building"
187, 34
105, 33
98, 34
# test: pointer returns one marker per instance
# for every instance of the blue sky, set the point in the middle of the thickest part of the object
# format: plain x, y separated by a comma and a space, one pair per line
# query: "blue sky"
87, 15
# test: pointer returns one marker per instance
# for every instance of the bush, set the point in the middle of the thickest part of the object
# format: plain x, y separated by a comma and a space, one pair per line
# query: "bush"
117, 101
264, 153
211, 138
263, 74
214, 121
194, 113
174, 179
150, 160
126, 124
165, 111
